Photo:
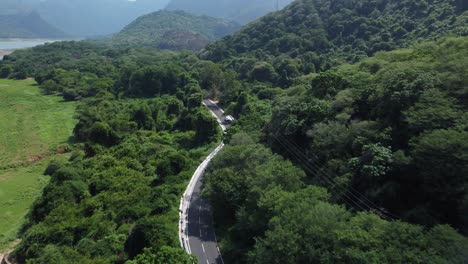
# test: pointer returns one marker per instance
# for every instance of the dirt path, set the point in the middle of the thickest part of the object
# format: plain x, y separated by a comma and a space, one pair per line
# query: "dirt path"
4, 258
5, 253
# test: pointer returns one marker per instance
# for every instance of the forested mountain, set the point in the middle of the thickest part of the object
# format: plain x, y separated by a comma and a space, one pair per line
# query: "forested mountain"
241, 11
327, 162
173, 30
318, 34
26, 25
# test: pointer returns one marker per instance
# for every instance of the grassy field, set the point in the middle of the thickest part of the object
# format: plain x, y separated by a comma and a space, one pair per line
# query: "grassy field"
32, 126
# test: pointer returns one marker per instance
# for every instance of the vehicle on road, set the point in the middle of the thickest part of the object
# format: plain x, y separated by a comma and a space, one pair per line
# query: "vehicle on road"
228, 120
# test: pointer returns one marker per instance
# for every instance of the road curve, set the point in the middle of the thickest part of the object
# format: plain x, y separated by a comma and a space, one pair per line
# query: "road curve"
196, 231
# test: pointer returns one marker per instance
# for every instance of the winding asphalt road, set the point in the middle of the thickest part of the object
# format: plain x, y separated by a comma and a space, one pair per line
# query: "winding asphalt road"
196, 230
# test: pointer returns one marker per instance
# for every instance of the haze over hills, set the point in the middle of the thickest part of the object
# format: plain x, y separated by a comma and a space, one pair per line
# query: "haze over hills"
26, 25
95, 17
173, 30
241, 11
86, 18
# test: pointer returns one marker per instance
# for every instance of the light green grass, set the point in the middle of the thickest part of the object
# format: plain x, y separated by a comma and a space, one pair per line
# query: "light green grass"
31, 126
19, 188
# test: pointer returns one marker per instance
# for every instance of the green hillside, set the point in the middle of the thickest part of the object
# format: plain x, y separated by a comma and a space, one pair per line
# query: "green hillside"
318, 34
387, 135
27, 25
173, 30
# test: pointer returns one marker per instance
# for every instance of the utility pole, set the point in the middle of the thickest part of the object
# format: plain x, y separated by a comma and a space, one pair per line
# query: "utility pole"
277, 5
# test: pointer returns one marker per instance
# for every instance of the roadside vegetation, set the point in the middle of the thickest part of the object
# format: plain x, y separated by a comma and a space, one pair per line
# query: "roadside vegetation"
141, 132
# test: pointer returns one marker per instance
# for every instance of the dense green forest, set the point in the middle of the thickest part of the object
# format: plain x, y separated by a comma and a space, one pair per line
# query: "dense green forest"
387, 135
120, 195
314, 35
26, 25
328, 162
77, 70
270, 215
137, 145
174, 30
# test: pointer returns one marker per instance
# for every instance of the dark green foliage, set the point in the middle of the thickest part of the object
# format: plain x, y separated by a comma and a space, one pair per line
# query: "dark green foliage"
440, 156
174, 30
327, 84
266, 214
339, 31
96, 71
5, 71
166, 255
152, 81
391, 127
264, 72
119, 202
53, 167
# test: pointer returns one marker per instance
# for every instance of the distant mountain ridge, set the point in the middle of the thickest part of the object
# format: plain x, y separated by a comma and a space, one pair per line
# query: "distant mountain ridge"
241, 11
27, 25
173, 30
85, 18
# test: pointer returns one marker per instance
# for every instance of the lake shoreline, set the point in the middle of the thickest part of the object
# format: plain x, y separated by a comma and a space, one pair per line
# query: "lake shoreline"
9, 45
31, 39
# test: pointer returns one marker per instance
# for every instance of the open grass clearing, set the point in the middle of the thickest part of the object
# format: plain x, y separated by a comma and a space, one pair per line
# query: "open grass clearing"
32, 127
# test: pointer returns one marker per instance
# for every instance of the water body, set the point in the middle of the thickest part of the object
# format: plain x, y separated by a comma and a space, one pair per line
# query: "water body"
9, 45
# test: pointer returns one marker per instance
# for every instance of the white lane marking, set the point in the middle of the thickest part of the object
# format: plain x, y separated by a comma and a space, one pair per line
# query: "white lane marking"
186, 200
203, 247
199, 221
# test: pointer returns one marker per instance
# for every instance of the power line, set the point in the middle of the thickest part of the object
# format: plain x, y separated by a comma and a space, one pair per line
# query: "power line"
358, 200
351, 189
350, 202
359, 204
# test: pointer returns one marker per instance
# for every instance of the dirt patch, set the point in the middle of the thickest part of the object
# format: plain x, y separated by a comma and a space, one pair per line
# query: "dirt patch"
4, 259
39, 158
62, 150
4, 255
